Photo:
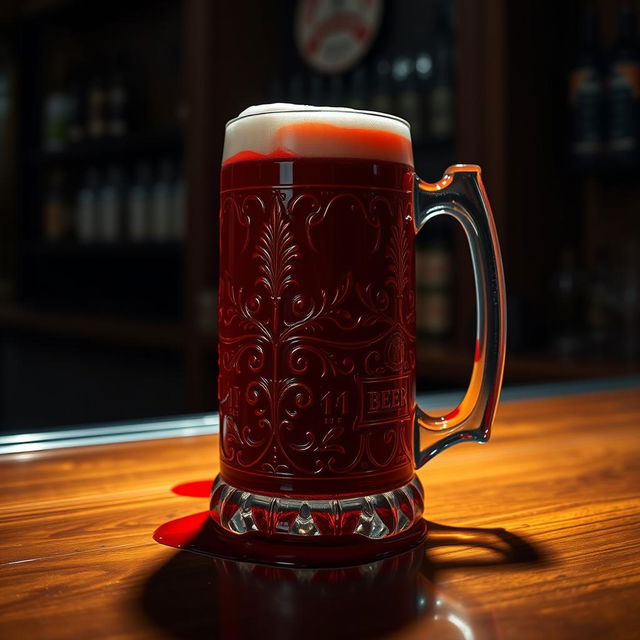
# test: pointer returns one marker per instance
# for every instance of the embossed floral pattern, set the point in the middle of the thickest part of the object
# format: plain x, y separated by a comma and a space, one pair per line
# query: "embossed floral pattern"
302, 334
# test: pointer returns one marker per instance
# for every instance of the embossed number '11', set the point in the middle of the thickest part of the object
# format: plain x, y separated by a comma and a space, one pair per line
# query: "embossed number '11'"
341, 403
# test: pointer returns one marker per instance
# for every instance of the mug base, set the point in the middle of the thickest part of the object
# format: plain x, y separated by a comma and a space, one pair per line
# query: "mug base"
348, 551
198, 533
329, 519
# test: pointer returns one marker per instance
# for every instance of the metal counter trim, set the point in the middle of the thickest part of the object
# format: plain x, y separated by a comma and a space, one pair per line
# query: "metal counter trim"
208, 423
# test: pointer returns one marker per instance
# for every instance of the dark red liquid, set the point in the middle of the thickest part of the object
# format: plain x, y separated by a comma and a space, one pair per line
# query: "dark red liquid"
316, 325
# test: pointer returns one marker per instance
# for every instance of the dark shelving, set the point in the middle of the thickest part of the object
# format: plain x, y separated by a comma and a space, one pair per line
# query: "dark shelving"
110, 149
115, 329
162, 295
70, 250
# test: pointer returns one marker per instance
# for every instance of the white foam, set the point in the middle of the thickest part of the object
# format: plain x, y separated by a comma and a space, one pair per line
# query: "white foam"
265, 129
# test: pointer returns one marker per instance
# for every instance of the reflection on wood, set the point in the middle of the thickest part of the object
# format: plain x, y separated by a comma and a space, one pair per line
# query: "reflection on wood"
560, 476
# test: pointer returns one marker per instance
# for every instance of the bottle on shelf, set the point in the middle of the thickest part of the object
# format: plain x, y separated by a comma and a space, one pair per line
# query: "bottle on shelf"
110, 205
407, 103
630, 302
86, 209
96, 105
358, 94
441, 116
207, 318
178, 206
424, 76
6, 103
139, 204
622, 121
77, 106
601, 306
295, 92
317, 91
381, 99
56, 222
275, 92
586, 93
161, 202
117, 99
336, 97
55, 114
567, 326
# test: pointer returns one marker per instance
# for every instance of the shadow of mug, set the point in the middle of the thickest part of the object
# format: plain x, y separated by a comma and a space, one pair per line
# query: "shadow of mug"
196, 596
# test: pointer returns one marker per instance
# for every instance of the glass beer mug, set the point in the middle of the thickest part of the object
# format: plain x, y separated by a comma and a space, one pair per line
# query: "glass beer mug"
320, 430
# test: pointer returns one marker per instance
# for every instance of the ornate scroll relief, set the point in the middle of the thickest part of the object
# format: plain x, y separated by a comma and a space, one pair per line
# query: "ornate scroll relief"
283, 339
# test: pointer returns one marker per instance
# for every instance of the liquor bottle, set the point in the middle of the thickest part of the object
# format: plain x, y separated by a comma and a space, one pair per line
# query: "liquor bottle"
622, 128
601, 305
56, 215
178, 206
139, 205
407, 103
207, 318
586, 91
630, 302
117, 100
295, 92
335, 97
96, 106
110, 205
424, 69
55, 115
566, 294
381, 97
440, 110
161, 224
358, 95
424, 77
317, 92
275, 92
77, 106
86, 208
6, 106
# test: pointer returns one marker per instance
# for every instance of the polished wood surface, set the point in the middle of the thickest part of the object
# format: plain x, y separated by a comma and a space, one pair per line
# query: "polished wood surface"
536, 537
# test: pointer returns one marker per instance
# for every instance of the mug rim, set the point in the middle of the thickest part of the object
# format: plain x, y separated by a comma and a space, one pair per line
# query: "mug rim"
325, 109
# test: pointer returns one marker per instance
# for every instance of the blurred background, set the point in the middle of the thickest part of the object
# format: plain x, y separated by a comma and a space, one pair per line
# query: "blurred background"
112, 118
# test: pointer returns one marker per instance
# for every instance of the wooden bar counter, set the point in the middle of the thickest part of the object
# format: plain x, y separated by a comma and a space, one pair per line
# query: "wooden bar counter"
534, 535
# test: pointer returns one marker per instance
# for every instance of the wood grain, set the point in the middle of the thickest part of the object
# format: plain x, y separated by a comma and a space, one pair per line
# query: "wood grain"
553, 501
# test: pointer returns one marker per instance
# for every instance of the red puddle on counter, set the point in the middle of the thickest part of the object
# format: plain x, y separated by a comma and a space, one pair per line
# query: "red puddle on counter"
199, 489
199, 534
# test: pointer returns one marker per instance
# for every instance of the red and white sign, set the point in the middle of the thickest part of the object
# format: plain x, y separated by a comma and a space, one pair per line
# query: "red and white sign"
332, 35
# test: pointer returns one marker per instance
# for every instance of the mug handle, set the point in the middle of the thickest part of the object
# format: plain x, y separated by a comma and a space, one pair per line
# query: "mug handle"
461, 195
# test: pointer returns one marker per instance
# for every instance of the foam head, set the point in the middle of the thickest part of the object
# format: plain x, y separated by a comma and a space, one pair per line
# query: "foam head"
292, 130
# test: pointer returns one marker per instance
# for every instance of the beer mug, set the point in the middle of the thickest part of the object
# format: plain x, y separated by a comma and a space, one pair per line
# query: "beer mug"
319, 426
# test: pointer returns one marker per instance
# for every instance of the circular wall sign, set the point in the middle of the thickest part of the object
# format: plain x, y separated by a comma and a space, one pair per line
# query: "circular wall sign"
332, 35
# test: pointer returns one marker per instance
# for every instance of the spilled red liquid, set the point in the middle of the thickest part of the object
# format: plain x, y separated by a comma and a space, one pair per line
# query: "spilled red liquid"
199, 534
199, 489
181, 533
